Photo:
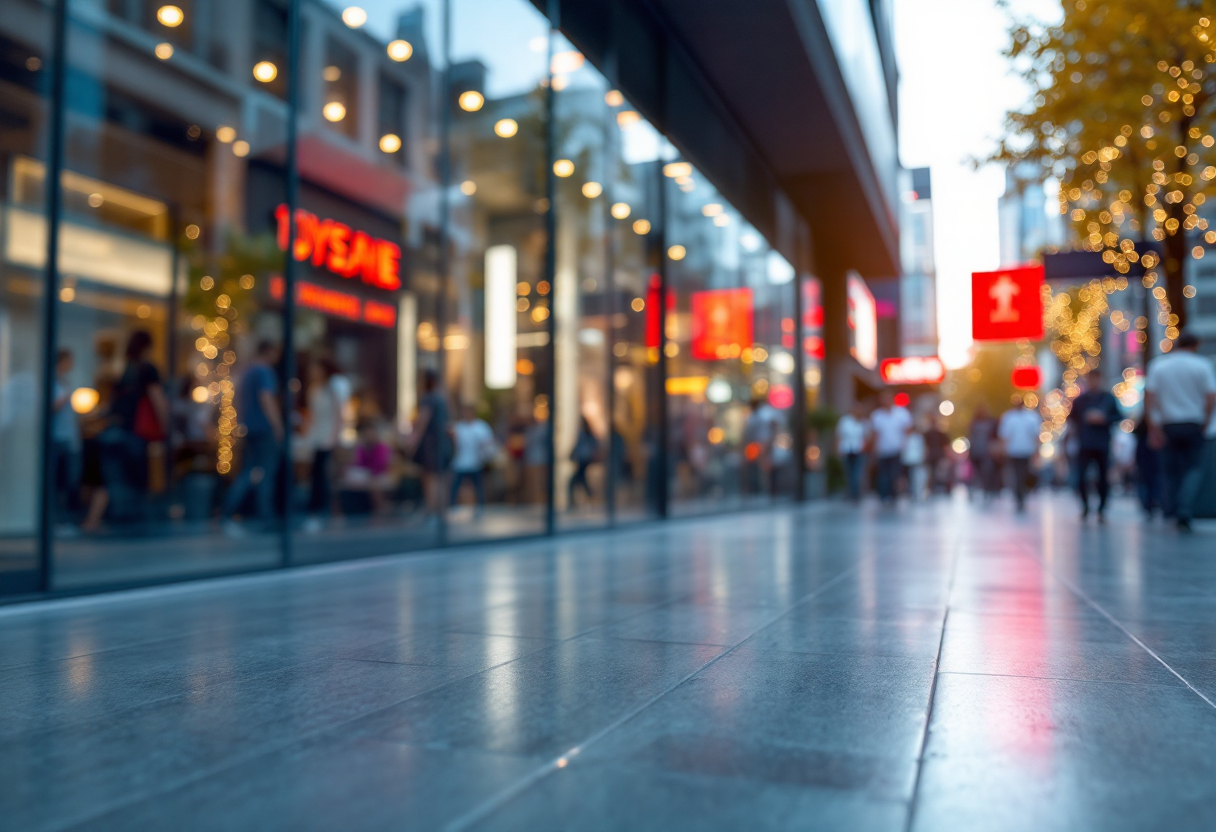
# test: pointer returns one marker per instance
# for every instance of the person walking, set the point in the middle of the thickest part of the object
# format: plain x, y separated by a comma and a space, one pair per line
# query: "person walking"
980, 438
328, 392
586, 451
257, 405
851, 435
1093, 414
1179, 401
914, 459
431, 444
889, 426
474, 447
1019, 431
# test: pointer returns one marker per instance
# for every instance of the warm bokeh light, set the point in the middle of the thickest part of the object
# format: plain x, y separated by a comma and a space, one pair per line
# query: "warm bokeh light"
471, 101
676, 252
627, 118
265, 71
164, 51
468, 187
613, 98
641, 226
200, 395
620, 210
400, 50
567, 62
240, 148
334, 111
354, 17
84, 399
506, 128
170, 16
563, 168
677, 170
592, 189
225, 134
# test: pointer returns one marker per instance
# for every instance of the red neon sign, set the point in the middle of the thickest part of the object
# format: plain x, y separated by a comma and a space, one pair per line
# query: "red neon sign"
342, 251
913, 370
1007, 305
338, 304
721, 323
1026, 378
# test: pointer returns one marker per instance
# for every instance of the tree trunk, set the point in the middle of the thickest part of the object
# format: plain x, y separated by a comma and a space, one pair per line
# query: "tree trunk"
1174, 257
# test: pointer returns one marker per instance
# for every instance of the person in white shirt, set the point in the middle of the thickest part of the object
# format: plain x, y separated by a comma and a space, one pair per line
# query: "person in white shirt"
328, 392
913, 459
889, 426
851, 435
1019, 431
474, 447
1179, 402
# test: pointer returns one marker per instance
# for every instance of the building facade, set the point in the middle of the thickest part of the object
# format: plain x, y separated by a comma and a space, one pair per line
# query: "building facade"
325, 281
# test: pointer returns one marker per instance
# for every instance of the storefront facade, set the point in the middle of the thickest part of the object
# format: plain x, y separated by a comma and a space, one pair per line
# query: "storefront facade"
448, 283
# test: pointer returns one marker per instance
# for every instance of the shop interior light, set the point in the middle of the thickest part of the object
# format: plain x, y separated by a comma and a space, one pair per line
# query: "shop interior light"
331, 73
506, 128
677, 252
265, 71
400, 50
334, 111
627, 118
390, 142
563, 168
676, 170
471, 101
225, 134
354, 17
613, 98
500, 311
170, 16
641, 226
164, 51
240, 148
592, 189
621, 210
468, 187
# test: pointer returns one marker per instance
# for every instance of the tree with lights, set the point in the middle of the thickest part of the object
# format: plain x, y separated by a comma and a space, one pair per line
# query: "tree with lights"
1122, 116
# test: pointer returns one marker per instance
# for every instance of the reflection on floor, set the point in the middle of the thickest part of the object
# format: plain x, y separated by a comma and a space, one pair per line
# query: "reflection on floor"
939, 667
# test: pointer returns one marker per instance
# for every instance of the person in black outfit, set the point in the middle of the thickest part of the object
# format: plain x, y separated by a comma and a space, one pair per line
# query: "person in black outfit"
1093, 414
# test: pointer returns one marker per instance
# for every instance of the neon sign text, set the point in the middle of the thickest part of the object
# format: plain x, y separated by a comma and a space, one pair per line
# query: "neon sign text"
338, 304
334, 246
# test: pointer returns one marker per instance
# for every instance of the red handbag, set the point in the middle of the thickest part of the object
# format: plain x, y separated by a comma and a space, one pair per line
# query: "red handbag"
147, 423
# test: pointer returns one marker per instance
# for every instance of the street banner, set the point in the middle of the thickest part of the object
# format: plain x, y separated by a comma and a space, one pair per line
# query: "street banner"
1007, 305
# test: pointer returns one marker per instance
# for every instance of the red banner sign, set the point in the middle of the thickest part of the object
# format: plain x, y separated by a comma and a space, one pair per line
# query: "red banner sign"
1026, 378
913, 370
721, 323
1007, 305
334, 246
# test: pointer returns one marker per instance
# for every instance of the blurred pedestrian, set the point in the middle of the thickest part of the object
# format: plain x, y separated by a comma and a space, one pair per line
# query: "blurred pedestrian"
431, 445
1148, 471
1093, 414
473, 448
889, 427
914, 459
851, 435
1179, 400
65, 435
981, 437
1019, 431
585, 452
257, 404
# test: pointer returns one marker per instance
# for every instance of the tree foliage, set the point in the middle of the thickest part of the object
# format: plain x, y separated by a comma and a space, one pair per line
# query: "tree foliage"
1121, 114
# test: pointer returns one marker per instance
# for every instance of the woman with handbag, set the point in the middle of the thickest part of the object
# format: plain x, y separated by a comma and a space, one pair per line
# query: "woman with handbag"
138, 415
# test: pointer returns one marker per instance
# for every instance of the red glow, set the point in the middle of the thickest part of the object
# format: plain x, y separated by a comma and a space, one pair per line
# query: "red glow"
781, 396
342, 251
1007, 305
902, 400
913, 370
721, 323
752, 451
337, 304
1026, 378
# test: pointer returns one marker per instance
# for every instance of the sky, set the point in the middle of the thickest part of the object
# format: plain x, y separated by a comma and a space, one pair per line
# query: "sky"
955, 88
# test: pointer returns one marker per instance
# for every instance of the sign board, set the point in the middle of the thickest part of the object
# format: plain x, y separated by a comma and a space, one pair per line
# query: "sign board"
1007, 305
913, 370
343, 251
1026, 378
721, 323
863, 322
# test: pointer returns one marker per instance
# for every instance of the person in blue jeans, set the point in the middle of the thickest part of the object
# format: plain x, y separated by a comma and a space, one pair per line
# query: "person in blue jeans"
257, 408
1094, 414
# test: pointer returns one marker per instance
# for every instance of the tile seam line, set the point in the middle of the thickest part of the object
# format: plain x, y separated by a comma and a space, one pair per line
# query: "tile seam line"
513, 791
913, 800
1077, 591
